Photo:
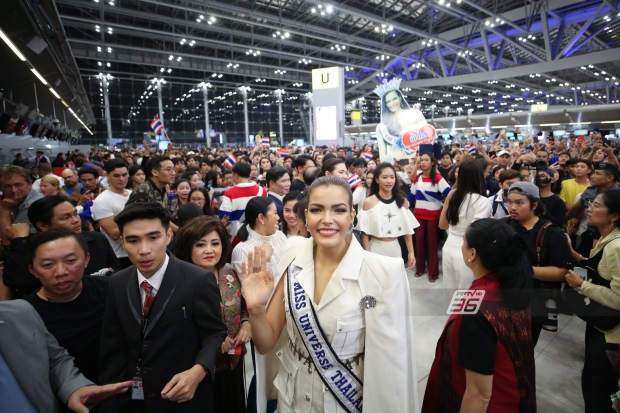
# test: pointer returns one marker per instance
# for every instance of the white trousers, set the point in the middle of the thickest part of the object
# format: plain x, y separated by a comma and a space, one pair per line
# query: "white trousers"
456, 275
386, 248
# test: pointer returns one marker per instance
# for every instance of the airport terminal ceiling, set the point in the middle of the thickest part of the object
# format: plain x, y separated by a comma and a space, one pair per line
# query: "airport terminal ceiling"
455, 55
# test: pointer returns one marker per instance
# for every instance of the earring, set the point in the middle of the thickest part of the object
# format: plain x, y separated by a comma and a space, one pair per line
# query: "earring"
468, 260
262, 222
307, 229
350, 229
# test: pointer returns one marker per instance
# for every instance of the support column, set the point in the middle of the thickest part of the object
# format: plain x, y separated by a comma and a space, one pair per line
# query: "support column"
205, 95
159, 102
244, 91
310, 118
106, 101
279, 93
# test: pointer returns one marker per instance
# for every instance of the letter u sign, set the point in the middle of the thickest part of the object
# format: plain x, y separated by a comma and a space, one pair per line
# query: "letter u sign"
327, 78
323, 77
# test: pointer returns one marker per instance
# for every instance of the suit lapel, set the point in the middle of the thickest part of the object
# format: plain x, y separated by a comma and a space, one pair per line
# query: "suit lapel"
165, 292
19, 363
133, 296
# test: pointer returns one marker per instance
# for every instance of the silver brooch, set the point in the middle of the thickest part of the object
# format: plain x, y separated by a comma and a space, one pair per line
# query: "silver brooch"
368, 302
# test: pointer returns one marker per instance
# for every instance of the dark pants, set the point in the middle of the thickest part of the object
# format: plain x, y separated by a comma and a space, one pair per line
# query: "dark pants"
599, 379
426, 245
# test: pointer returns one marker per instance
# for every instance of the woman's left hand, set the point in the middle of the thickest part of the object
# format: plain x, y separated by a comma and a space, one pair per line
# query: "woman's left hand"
573, 279
411, 259
244, 335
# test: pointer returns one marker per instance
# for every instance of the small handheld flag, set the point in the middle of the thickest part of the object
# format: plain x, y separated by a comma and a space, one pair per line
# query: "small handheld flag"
367, 156
265, 142
283, 152
471, 149
157, 126
354, 180
230, 161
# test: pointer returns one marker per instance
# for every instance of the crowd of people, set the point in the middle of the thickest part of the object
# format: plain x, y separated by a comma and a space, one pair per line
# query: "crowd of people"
139, 280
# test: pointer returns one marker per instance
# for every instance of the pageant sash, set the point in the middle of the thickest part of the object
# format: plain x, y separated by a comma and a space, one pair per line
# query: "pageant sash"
343, 384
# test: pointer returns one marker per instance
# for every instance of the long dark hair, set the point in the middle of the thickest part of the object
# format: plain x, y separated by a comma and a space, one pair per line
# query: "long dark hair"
470, 181
257, 205
207, 208
291, 196
503, 253
397, 194
329, 166
387, 118
433, 174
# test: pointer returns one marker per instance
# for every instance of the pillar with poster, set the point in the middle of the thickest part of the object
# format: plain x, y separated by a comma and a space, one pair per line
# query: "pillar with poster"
402, 129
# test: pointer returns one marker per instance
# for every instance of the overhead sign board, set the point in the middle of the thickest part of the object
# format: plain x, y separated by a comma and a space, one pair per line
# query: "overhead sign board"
538, 108
327, 78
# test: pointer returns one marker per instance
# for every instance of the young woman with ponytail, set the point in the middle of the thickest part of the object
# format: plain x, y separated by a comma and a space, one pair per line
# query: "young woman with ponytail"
485, 359
261, 229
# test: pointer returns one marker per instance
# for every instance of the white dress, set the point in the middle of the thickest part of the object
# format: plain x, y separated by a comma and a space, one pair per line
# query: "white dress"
377, 340
457, 275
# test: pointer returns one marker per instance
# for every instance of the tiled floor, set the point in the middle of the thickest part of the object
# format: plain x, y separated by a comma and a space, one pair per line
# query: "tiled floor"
559, 357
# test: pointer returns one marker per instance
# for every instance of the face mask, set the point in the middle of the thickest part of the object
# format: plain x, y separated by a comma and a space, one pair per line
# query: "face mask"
542, 181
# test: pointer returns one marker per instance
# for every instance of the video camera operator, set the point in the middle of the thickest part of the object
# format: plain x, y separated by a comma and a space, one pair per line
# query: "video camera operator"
555, 208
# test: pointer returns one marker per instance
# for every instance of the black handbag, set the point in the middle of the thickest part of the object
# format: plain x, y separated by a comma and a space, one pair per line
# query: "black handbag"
589, 310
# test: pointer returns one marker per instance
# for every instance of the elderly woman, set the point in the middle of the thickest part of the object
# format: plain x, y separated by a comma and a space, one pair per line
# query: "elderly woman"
50, 186
204, 242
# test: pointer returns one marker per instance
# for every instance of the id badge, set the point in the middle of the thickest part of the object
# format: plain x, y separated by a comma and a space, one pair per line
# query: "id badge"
137, 391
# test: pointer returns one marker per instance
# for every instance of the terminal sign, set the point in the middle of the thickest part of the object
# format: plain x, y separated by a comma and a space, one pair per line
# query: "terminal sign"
538, 108
327, 78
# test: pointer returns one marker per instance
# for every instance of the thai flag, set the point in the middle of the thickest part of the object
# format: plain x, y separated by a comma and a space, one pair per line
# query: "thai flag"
265, 142
354, 180
367, 156
471, 149
230, 161
157, 126
283, 152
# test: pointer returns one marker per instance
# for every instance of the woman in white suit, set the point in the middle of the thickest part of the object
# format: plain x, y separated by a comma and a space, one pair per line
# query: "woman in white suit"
346, 311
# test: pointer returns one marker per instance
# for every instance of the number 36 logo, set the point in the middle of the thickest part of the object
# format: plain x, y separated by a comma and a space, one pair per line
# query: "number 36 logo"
465, 302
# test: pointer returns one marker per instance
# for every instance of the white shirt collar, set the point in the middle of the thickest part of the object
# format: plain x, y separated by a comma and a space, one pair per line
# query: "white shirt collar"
155, 279
278, 197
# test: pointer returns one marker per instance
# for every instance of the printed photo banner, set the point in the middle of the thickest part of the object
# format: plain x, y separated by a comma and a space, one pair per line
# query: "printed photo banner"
402, 129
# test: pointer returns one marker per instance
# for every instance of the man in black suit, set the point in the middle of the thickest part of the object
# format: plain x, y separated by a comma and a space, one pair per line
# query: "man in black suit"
47, 213
167, 345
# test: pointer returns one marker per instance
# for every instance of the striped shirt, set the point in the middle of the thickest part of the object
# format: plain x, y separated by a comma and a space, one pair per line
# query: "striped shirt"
428, 196
234, 202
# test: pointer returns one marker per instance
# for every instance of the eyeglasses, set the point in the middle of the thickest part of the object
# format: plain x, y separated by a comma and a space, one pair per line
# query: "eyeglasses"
197, 199
588, 203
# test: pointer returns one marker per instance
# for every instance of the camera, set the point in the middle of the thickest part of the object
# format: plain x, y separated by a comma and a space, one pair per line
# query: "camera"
541, 165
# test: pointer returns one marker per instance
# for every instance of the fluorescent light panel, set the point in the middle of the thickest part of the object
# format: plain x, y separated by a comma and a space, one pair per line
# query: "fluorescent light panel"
549, 124
12, 46
55, 94
37, 74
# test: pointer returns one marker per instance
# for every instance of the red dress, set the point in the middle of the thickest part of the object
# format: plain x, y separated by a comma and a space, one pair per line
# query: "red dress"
514, 389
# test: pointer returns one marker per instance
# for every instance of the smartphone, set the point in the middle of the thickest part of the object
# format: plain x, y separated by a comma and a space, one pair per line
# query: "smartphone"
209, 184
582, 272
554, 160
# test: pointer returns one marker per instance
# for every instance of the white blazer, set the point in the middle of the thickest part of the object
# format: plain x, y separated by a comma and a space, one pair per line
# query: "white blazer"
390, 381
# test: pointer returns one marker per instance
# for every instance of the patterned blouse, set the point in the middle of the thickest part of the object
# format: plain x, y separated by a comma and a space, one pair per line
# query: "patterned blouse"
233, 311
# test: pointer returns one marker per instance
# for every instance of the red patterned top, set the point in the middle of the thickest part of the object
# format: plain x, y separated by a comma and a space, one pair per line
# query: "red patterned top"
233, 311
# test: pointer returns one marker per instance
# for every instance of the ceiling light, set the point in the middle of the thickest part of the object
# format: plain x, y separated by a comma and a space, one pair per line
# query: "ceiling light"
38, 75
54, 93
179, 59
279, 72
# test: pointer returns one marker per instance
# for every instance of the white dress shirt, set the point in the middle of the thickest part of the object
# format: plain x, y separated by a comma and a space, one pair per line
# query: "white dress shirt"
155, 280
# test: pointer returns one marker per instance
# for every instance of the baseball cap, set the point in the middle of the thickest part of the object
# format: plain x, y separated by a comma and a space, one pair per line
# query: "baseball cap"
502, 153
606, 166
525, 188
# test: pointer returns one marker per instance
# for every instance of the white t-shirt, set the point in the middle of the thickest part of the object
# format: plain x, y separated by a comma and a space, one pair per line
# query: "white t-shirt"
109, 204
473, 208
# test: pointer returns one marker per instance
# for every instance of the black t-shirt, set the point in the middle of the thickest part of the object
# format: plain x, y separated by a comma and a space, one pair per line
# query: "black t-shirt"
555, 209
298, 185
555, 250
444, 172
477, 344
77, 324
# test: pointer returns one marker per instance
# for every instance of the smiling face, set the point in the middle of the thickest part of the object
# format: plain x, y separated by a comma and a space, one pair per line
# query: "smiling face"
194, 181
289, 215
145, 241
282, 186
270, 220
392, 101
329, 216
60, 265
207, 251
